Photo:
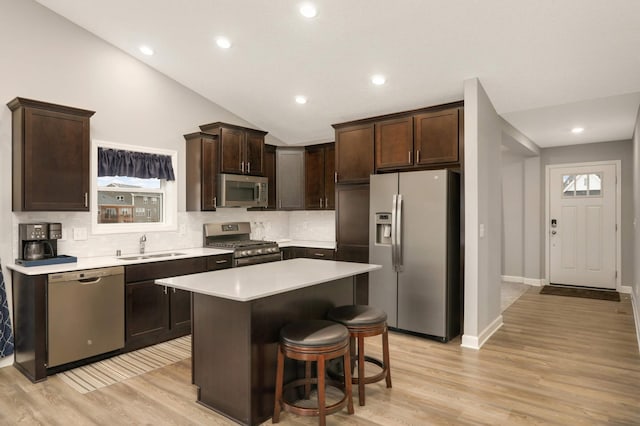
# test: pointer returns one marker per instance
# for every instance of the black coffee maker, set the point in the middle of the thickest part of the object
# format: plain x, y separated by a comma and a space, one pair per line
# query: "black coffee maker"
39, 240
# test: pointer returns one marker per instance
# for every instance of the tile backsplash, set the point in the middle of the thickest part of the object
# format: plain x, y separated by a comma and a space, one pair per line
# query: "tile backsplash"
278, 225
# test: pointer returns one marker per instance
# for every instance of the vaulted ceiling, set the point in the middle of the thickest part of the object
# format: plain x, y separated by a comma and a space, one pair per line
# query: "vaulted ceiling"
547, 65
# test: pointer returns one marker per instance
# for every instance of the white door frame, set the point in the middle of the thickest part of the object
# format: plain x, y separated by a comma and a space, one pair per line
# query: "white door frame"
547, 207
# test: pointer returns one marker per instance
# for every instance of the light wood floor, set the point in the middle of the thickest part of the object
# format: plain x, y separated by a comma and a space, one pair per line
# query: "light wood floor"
557, 360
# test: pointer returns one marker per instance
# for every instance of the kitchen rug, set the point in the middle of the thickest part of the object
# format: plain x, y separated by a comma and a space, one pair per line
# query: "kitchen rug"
94, 376
581, 292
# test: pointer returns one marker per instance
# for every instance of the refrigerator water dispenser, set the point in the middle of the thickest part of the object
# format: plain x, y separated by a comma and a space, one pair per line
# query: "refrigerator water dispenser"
383, 229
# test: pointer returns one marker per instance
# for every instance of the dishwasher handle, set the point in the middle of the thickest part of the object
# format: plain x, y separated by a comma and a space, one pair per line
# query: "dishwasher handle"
88, 276
90, 280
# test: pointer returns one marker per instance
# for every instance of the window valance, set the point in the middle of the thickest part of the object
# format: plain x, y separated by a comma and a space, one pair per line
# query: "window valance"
118, 162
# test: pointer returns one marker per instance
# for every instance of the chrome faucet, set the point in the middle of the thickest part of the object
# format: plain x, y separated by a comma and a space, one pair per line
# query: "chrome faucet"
143, 240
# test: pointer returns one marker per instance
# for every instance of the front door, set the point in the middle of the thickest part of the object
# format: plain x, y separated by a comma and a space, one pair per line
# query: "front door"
582, 225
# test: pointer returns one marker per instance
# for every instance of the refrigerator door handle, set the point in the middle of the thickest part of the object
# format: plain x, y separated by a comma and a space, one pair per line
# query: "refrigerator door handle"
398, 209
394, 232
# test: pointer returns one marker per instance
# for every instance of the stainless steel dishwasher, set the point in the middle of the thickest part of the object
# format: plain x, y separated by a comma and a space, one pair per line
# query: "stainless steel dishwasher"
85, 314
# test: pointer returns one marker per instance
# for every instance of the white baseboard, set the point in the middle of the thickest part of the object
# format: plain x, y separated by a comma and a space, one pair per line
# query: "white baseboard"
6, 361
625, 289
536, 282
476, 342
636, 315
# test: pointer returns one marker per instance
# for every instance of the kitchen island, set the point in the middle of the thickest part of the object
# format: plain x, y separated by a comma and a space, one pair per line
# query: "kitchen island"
236, 318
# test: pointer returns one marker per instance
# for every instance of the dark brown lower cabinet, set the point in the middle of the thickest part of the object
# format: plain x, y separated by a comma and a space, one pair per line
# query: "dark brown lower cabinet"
307, 252
155, 313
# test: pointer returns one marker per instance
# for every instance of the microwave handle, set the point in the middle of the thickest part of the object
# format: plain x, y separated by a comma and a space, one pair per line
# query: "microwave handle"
257, 189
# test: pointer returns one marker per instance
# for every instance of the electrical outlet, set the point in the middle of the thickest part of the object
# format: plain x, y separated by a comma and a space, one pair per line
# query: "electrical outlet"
79, 234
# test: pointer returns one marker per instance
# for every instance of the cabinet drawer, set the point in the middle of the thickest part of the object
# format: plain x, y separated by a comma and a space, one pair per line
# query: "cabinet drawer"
317, 253
222, 261
171, 268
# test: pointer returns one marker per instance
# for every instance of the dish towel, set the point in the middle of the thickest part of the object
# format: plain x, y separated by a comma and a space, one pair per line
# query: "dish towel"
6, 333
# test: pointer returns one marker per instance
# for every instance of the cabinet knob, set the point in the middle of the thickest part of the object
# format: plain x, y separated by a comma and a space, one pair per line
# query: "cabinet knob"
335, 177
320, 202
248, 167
86, 199
219, 262
417, 156
165, 290
326, 202
242, 166
409, 157
215, 201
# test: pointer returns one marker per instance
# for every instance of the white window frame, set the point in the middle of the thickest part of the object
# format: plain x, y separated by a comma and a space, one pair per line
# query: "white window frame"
170, 204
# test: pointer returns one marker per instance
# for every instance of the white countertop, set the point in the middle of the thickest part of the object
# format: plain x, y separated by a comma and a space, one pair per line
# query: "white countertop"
266, 279
307, 243
108, 261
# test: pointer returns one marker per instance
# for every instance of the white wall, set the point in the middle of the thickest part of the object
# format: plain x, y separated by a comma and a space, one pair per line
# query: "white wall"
619, 150
482, 180
513, 190
635, 282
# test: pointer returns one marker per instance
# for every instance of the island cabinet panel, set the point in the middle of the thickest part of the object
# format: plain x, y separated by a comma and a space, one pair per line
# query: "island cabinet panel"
202, 171
155, 313
354, 152
436, 137
241, 149
235, 345
50, 156
308, 252
394, 143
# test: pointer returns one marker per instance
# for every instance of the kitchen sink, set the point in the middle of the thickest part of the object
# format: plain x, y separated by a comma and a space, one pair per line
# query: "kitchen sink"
150, 256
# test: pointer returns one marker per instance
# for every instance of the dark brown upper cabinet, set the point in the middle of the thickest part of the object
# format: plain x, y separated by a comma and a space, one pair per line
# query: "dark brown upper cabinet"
394, 143
202, 171
270, 173
319, 170
436, 137
51, 149
428, 138
241, 149
354, 152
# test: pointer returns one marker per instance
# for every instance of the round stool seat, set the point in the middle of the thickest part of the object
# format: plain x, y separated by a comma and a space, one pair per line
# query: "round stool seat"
357, 315
313, 333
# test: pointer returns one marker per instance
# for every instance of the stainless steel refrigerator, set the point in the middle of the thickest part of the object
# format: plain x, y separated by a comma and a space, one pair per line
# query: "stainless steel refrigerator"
414, 233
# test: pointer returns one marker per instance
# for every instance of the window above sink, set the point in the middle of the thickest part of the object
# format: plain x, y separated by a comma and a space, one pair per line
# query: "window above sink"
127, 204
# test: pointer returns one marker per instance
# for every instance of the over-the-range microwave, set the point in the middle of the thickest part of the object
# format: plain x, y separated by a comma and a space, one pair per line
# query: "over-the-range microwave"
242, 191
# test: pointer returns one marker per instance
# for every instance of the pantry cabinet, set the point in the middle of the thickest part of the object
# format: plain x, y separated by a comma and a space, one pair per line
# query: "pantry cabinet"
51, 149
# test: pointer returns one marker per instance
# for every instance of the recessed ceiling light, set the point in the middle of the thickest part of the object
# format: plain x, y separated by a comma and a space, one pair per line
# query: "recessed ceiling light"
308, 10
301, 99
146, 50
223, 42
577, 130
378, 79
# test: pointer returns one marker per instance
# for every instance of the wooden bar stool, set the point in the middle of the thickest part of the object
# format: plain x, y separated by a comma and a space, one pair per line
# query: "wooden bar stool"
365, 321
319, 341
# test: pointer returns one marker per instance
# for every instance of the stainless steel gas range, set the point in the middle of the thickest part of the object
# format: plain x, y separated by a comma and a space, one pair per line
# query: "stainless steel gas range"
236, 236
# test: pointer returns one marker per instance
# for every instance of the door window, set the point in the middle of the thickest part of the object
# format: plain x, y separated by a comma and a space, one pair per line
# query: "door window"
582, 185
